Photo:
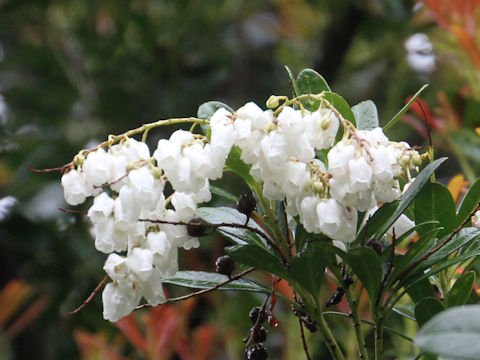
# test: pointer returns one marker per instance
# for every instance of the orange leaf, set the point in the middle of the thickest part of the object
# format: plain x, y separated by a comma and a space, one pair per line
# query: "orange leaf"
12, 296
457, 186
129, 328
203, 340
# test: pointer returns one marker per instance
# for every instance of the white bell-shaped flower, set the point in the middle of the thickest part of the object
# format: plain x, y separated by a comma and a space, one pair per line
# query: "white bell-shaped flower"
119, 299
98, 168
75, 187
101, 209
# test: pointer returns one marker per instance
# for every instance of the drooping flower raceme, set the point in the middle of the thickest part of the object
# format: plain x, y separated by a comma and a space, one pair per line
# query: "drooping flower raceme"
128, 183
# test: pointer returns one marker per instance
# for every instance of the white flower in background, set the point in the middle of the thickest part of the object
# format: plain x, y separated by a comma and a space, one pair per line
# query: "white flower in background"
6, 205
98, 168
420, 54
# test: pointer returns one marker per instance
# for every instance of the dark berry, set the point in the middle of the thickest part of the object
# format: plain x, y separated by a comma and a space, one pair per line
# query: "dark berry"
257, 352
310, 324
336, 297
196, 228
255, 313
375, 245
259, 335
347, 280
225, 265
246, 204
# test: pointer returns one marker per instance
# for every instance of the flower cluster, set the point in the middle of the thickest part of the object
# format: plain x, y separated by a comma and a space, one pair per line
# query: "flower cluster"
361, 170
127, 185
281, 147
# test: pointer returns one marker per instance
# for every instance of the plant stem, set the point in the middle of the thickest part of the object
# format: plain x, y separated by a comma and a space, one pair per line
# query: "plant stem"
328, 337
379, 338
354, 314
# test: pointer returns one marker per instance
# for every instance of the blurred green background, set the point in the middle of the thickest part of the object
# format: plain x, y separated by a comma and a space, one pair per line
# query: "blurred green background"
72, 72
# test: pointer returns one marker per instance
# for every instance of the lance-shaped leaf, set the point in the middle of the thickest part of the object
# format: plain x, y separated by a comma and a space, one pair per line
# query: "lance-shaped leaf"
366, 264
426, 309
235, 164
259, 258
206, 280
461, 290
311, 82
469, 202
435, 203
308, 267
410, 195
226, 215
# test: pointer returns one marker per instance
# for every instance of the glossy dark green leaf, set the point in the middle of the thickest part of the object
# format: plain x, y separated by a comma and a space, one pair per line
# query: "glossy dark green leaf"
460, 240
301, 236
308, 267
421, 290
426, 309
469, 202
366, 264
461, 290
222, 193
410, 195
311, 82
435, 203
341, 105
205, 280
440, 266
281, 217
235, 164
452, 334
366, 115
376, 221
228, 215
259, 258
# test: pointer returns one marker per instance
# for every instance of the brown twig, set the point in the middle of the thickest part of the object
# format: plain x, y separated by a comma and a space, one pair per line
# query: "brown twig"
90, 297
233, 225
258, 324
83, 212
59, 169
203, 291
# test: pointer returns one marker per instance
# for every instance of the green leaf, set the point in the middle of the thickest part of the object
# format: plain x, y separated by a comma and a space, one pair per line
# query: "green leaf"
259, 258
301, 236
366, 115
341, 105
435, 203
224, 194
206, 110
376, 221
293, 82
440, 267
403, 110
235, 164
461, 290
239, 236
453, 333
411, 193
366, 264
205, 280
308, 267
469, 202
426, 309
405, 310
461, 239
311, 82
420, 290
